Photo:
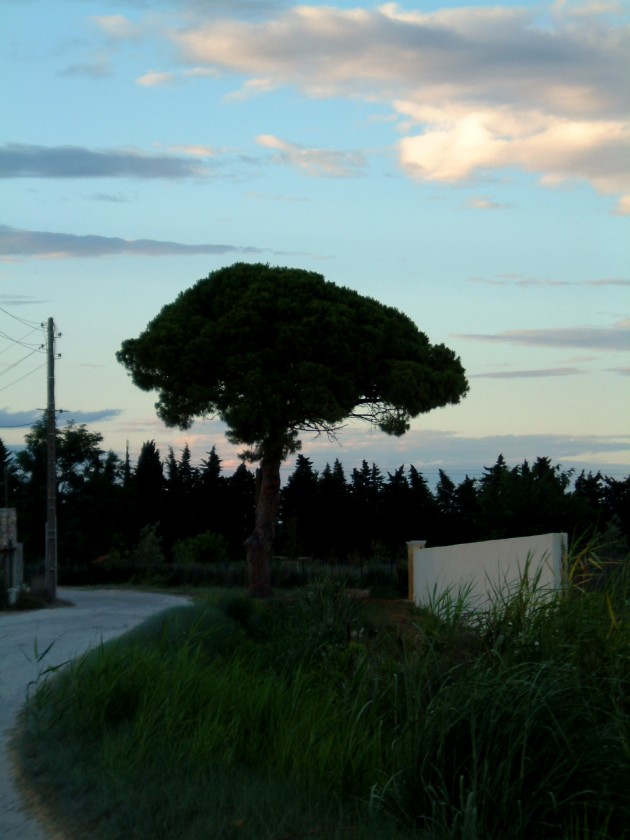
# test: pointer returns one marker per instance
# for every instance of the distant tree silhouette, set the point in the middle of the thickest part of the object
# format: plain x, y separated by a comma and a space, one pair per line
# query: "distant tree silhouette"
299, 509
89, 492
149, 483
8, 476
525, 500
210, 498
396, 528
180, 519
240, 508
104, 506
423, 512
334, 535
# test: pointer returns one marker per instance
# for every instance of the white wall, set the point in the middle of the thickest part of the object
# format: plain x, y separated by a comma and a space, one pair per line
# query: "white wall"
484, 567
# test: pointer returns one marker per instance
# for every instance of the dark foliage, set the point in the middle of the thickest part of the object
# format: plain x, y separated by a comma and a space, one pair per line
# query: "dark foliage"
117, 522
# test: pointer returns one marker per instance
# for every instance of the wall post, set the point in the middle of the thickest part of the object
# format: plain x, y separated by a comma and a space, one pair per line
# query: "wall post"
412, 545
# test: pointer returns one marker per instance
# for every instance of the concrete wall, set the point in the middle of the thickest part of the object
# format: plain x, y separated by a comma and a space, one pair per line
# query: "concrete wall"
482, 568
8, 527
11, 558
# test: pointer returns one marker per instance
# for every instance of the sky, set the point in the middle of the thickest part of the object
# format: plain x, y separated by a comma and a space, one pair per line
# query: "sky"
466, 164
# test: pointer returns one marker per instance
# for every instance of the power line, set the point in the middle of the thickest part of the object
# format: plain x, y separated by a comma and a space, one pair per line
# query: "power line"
19, 361
20, 378
21, 341
26, 323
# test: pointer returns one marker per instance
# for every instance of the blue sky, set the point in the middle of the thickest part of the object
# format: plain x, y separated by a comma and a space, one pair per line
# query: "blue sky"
468, 164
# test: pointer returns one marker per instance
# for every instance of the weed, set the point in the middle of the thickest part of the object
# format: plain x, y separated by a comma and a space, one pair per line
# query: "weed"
311, 716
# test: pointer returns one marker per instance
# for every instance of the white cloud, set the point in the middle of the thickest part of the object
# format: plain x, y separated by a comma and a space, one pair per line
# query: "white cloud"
482, 202
118, 27
253, 87
474, 88
459, 141
317, 162
152, 79
623, 206
192, 151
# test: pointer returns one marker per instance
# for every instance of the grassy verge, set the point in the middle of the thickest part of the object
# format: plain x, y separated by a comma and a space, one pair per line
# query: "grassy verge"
321, 717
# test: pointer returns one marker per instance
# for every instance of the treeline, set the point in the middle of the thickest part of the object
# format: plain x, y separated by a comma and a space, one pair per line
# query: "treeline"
167, 509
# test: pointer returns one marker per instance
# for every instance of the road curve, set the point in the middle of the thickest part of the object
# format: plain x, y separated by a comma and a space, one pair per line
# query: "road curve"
94, 616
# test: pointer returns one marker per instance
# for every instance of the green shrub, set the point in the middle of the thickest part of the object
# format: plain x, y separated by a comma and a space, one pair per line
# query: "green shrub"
148, 549
203, 548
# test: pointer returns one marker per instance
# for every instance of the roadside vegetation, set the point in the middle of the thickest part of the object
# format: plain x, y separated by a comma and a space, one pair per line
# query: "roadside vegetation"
314, 715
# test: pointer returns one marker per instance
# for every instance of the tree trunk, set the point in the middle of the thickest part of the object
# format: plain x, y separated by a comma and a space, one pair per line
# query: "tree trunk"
260, 542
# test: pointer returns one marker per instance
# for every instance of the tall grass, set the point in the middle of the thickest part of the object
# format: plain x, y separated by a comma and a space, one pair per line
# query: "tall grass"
316, 717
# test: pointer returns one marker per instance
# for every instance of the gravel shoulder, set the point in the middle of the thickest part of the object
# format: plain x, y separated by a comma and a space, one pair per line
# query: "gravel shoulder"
91, 616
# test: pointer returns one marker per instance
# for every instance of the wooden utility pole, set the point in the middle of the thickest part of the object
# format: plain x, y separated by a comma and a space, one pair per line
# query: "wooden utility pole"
51, 472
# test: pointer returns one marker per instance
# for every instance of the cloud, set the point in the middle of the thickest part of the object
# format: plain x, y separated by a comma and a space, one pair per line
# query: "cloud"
88, 416
22, 419
114, 198
99, 69
156, 79
24, 161
474, 89
18, 419
469, 141
252, 87
527, 374
518, 280
616, 338
430, 450
17, 300
315, 162
623, 206
47, 245
118, 27
482, 202
193, 151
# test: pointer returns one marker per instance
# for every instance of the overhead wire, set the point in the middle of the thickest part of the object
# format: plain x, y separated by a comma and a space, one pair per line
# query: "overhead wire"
31, 346
19, 379
19, 361
21, 341
26, 323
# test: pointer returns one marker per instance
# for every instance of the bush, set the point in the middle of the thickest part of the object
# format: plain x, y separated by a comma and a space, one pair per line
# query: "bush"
203, 548
148, 550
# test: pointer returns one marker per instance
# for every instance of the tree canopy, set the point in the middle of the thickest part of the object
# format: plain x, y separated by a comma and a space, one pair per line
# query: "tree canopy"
275, 352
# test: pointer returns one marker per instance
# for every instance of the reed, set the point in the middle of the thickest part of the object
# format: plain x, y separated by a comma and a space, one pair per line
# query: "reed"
306, 717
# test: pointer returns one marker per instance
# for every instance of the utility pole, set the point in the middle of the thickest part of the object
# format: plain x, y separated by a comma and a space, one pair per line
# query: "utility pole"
51, 472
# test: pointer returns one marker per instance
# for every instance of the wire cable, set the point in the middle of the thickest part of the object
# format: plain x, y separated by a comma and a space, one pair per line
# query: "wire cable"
33, 324
4, 387
19, 361
21, 341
